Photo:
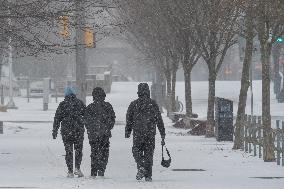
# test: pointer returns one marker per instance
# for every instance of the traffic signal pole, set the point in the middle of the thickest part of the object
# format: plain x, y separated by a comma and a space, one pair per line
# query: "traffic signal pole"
81, 63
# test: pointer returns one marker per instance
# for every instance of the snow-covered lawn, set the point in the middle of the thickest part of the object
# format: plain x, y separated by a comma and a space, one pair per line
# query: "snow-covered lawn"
29, 157
229, 90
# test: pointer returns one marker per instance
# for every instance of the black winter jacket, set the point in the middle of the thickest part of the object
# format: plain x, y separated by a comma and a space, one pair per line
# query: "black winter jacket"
99, 119
70, 114
143, 115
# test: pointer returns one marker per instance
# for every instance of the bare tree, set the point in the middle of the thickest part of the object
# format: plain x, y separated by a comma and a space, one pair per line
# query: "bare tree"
34, 27
248, 33
154, 37
186, 46
269, 26
215, 27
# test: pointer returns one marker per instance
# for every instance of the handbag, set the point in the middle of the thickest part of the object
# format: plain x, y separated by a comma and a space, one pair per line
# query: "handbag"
166, 163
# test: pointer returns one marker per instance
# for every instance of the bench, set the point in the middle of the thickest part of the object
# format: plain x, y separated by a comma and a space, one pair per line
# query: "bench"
197, 126
176, 116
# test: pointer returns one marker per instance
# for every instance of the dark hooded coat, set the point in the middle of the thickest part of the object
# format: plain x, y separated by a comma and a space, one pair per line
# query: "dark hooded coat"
99, 116
70, 114
100, 119
143, 115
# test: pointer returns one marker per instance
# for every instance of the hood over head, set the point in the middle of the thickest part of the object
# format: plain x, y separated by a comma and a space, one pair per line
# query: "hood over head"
143, 90
98, 94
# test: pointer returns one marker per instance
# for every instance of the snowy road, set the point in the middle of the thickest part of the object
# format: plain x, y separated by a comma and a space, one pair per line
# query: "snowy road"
29, 157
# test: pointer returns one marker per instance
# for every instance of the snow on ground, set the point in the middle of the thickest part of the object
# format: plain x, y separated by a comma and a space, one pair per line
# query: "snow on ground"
123, 93
29, 157
229, 90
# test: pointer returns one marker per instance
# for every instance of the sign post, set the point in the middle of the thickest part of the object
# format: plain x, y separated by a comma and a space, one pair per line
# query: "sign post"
46, 91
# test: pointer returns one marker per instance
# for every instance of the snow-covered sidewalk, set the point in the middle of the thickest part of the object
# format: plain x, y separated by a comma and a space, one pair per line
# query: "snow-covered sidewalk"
29, 157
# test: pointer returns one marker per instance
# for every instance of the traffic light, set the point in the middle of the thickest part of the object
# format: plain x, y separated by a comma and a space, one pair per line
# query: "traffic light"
279, 39
63, 22
89, 37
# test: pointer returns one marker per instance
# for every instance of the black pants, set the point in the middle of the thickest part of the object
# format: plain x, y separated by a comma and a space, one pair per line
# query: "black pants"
99, 154
143, 152
78, 147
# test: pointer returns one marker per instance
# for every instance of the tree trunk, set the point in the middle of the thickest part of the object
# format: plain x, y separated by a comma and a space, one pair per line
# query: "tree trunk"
245, 83
276, 77
268, 154
211, 102
160, 97
173, 91
188, 96
1, 59
1, 86
0, 70
169, 88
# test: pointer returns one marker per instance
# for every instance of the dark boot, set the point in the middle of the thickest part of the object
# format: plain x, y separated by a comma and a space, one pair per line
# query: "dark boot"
148, 179
101, 173
94, 172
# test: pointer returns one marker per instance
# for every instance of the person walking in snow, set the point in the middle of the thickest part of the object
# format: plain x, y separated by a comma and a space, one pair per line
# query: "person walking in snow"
100, 119
142, 117
69, 115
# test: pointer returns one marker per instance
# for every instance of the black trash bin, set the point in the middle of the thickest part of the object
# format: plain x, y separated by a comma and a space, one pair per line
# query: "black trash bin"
224, 128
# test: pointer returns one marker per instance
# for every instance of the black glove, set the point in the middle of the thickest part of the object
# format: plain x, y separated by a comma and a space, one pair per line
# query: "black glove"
127, 135
54, 134
163, 142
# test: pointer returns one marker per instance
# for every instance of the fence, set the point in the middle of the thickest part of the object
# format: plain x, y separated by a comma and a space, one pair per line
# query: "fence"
253, 137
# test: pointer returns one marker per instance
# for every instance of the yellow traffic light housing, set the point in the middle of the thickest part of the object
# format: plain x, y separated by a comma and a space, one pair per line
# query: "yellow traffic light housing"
64, 22
89, 37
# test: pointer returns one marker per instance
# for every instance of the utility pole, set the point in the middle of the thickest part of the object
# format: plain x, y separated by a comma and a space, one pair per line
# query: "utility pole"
81, 64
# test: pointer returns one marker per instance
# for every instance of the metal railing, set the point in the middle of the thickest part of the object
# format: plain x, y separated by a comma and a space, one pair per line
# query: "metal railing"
253, 137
